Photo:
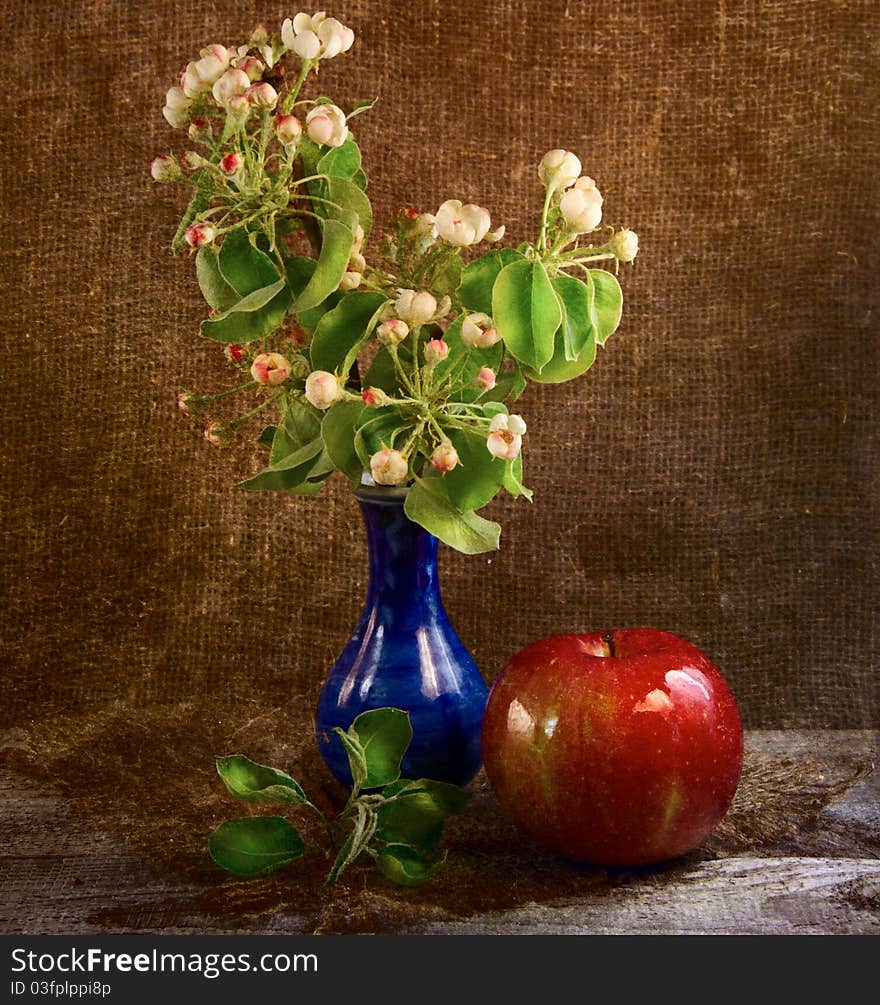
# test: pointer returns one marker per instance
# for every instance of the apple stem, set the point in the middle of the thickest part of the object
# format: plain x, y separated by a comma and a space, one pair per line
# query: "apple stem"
608, 639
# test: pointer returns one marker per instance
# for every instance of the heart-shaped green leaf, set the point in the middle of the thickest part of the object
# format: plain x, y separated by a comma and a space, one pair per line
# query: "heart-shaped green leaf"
258, 783
384, 734
428, 505
255, 846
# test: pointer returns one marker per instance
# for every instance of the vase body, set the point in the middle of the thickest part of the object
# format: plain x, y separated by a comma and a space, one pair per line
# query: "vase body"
405, 654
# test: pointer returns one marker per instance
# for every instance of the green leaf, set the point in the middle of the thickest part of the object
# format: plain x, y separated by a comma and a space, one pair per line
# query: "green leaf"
299, 271
360, 179
377, 429
258, 783
577, 300
362, 832
245, 267
344, 327
331, 266
381, 373
428, 505
267, 436
417, 814
216, 291
513, 478
361, 107
608, 303
258, 314
342, 162
337, 432
384, 734
296, 452
527, 312
577, 332
255, 846
447, 280
405, 866
477, 280
357, 761
478, 476
349, 204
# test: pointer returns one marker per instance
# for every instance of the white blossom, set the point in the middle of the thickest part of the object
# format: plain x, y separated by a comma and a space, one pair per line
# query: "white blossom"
558, 169
581, 206
325, 124
316, 36
461, 225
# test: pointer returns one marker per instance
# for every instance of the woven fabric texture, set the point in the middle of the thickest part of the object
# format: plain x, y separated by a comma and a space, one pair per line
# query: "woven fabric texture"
715, 473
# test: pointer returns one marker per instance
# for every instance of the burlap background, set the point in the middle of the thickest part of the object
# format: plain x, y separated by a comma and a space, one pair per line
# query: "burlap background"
715, 474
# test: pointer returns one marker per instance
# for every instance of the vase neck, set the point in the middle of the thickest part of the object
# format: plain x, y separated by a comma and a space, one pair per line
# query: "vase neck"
403, 555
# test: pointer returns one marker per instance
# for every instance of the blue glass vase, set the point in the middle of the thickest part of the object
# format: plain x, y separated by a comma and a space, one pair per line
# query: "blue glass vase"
405, 654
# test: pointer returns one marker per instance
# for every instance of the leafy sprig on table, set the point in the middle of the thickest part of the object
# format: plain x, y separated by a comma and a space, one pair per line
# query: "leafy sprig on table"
397, 821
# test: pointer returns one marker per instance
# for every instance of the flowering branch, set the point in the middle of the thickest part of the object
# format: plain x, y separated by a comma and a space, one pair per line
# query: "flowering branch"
450, 331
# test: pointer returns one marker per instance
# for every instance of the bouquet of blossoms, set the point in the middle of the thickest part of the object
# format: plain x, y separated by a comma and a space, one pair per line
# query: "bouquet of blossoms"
394, 369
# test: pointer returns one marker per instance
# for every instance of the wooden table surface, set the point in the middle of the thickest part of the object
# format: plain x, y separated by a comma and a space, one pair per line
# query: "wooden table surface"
58, 876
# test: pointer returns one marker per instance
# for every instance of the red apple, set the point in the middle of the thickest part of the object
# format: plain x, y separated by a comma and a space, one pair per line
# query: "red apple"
617, 748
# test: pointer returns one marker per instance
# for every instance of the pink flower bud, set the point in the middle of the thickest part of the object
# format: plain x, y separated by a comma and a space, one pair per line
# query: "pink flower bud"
262, 95
252, 67
218, 434
436, 351
389, 467
164, 168
322, 389
351, 279
288, 129
392, 332
232, 83
270, 368
199, 234
485, 379
325, 124
234, 353
187, 402
230, 164
200, 130
445, 457
478, 331
374, 397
